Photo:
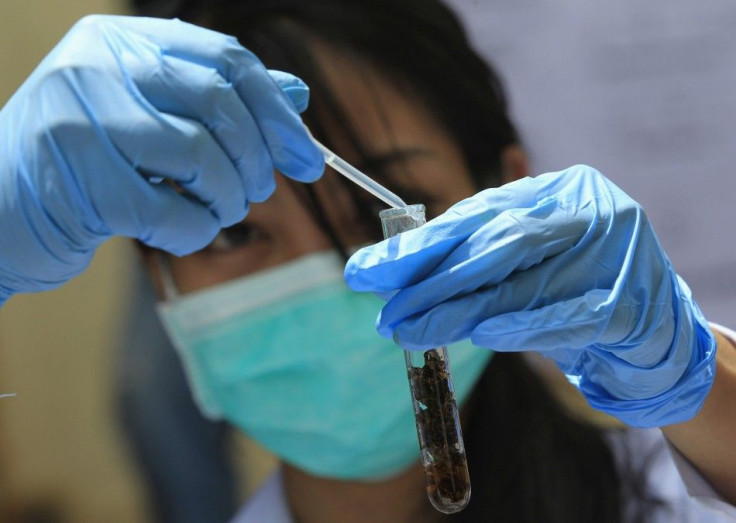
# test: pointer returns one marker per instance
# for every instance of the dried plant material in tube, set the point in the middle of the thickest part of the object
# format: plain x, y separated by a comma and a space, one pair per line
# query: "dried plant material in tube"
433, 398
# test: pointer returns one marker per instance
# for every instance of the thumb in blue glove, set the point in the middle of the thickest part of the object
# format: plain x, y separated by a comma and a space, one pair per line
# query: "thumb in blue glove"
566, 264
122, 101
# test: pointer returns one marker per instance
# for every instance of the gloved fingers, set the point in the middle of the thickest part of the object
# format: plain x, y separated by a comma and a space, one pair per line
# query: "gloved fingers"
201, 94
177, 224
293, 87
159, 215
409, 257
579, 184
292, 151
523, 260
546, 287
184, 151
446, 323
573, 324
289, 146
113, 198
517, 249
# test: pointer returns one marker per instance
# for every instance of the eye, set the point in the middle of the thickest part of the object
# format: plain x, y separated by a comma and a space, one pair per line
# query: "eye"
235, 236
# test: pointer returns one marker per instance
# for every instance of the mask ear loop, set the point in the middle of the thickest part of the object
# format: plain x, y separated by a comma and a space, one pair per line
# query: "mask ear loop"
167, 279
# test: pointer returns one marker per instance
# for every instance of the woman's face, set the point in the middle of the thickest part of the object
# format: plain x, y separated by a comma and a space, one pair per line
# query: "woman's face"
397, 133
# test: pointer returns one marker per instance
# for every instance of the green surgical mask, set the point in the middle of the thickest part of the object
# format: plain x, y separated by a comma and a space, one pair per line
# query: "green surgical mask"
291, 356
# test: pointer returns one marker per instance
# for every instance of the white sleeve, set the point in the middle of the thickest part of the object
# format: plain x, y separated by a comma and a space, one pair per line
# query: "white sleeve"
699, 489
684, 494
268, 504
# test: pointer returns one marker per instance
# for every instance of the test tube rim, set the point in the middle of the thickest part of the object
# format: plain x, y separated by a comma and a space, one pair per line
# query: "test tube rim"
395, 212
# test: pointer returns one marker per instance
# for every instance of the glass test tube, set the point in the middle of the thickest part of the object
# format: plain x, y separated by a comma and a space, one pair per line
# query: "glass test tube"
433, 398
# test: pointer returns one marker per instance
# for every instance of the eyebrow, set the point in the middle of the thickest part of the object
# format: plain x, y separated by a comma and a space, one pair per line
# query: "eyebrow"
378, 161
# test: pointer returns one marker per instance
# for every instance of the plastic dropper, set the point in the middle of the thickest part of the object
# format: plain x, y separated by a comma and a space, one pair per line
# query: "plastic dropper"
357, 177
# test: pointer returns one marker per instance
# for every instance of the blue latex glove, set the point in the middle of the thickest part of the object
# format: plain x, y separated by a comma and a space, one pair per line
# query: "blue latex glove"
122, 101
565, 264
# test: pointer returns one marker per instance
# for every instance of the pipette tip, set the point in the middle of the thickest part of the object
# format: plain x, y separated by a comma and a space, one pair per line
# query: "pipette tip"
357, 177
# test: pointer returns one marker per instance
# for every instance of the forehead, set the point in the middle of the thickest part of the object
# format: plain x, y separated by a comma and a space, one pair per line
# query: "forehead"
382, 113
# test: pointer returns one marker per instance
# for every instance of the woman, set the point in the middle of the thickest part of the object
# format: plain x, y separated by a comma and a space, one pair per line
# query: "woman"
421, 113
276, 345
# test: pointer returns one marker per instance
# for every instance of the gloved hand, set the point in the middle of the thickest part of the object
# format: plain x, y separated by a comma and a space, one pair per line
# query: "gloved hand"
121, 104
565, 264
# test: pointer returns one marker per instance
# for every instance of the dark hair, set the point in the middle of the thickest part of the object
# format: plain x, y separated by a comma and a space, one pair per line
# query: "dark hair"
529, 461
418, 44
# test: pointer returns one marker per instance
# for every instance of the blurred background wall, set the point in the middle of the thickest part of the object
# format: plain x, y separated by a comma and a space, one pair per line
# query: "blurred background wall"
61, 458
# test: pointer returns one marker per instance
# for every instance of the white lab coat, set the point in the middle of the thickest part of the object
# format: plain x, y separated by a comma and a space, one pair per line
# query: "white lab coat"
688, 497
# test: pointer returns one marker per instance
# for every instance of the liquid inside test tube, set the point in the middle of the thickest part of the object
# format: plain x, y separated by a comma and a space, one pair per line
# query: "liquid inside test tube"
433, 398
